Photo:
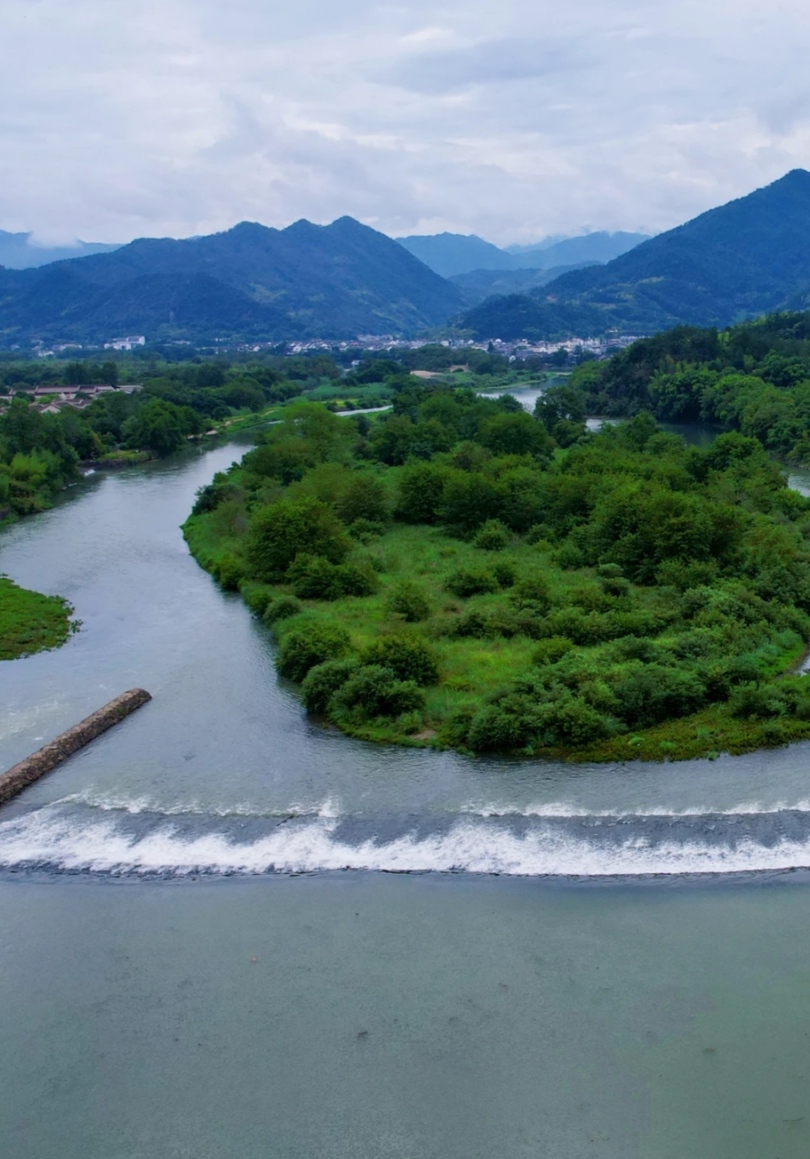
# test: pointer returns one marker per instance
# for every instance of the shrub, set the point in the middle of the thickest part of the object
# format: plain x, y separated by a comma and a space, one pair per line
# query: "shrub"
493, 536
376, 690
366, 530
309, 645
258, 599
315, 578
323, 681
363, 497
229, 572
649, 693
494, 729
407, 599
279, 532
465, 582
504, 573
531, 590
551, 650
573, 721
419, 493
282, 608
409, 657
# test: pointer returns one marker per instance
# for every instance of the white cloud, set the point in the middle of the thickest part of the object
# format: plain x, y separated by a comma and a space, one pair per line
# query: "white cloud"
184, 116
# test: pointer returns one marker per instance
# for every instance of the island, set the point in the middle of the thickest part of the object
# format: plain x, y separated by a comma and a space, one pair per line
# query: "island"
460, 573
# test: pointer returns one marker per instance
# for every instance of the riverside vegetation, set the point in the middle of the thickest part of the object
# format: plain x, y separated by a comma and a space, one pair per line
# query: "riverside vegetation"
461, 573
30, 622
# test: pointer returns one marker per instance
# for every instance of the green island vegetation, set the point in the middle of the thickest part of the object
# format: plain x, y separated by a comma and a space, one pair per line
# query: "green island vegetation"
185, 394
460, 573
753, 378
30, 622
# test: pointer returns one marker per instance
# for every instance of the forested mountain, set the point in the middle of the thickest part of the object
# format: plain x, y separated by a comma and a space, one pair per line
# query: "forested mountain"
590, 248
449, 254
742, 260
455, 254
18, 252
479, 285
250, 282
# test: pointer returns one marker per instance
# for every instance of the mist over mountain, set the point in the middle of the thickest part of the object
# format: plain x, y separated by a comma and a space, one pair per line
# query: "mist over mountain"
19, 252
251, 282
452, 254
744, 259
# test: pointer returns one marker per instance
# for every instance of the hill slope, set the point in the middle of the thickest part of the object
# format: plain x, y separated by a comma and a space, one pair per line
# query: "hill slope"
251, 282
454, 254
742, 260
18, 252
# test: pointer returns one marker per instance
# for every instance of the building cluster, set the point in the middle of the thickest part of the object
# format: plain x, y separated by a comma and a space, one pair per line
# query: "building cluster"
53, 398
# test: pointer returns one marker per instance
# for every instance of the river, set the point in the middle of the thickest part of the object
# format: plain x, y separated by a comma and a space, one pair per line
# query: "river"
209, 946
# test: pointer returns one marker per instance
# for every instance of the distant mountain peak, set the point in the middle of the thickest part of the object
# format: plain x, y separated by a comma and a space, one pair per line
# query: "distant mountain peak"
740, 260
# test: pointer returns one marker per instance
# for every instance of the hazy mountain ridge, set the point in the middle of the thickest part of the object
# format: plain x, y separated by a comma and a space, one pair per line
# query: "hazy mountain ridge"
454, 254
18, 252
741, 260
251, 281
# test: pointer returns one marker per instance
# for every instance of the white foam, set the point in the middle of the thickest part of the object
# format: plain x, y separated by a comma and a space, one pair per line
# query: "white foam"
561, 811
47, 839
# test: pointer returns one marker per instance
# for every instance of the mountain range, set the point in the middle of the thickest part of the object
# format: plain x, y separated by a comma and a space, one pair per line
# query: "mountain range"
19, 252
251, 282
747, 258
454, 254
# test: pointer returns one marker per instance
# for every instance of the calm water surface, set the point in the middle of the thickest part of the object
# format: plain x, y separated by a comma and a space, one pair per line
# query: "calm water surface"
608, 960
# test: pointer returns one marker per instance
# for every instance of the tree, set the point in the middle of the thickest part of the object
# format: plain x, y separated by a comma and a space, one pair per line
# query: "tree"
279, 532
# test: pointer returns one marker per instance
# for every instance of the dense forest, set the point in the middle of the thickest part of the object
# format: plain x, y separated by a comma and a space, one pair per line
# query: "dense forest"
460, 572
181, 399
753, 378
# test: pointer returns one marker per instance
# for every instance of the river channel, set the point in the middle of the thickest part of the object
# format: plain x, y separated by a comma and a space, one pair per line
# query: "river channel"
226, 931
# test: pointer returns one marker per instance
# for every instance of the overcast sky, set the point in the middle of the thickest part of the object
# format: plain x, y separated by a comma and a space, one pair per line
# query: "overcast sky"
512, 119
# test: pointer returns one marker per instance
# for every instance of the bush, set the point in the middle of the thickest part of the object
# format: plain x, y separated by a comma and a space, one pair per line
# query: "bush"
407, 599
323, 681
531, 590
465, 583
551, 650
376, 690
315, 578
312, 644
364, 498
409, 657
493, 536
419, 494
279, 532
494, 729
504, 573
229, 572
366, 530
258, 599
282, 608
650, 693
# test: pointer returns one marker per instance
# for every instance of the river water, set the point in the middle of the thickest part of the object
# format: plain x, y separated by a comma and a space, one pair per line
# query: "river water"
209, 946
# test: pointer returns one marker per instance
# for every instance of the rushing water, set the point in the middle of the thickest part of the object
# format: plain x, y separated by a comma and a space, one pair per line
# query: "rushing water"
634, 983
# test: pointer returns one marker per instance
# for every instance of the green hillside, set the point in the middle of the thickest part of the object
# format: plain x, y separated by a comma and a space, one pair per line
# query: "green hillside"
740, 261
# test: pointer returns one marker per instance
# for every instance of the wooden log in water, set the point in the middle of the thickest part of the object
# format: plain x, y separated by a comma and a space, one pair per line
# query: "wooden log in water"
45, 759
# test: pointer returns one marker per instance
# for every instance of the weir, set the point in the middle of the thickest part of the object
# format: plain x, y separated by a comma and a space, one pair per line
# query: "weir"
48, 758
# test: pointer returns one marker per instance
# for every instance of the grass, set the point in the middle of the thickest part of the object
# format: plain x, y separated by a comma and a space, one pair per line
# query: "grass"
30, 622
472, 670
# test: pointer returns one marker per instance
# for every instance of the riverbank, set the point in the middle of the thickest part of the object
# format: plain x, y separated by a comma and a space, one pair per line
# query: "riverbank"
599, 601
30, 622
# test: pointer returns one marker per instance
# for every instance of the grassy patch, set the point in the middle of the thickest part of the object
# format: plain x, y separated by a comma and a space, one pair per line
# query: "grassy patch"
30, 622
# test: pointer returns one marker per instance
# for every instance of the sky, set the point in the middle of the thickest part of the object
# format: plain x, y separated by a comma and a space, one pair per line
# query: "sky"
513, 120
